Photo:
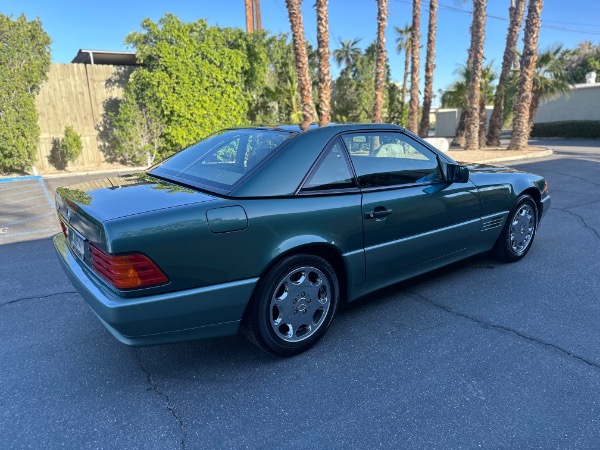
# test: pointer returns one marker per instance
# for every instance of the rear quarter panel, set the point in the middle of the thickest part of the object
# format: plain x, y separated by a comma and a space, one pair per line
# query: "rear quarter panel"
181, 243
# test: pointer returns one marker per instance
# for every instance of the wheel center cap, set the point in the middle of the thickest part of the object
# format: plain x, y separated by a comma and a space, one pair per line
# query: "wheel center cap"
302, 306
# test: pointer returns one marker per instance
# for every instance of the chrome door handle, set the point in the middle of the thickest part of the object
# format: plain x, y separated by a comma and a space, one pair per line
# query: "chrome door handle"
378, 213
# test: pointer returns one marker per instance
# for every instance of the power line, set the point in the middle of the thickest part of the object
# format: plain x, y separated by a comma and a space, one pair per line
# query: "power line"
545, 23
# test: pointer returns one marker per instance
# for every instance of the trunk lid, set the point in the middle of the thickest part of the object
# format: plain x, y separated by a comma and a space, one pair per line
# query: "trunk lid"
123, 195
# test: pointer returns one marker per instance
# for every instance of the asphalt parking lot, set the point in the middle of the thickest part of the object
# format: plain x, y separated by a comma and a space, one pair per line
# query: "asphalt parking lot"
26, 210
479, 354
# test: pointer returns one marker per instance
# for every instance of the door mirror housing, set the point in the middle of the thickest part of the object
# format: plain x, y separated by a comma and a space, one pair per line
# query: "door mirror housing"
456, 173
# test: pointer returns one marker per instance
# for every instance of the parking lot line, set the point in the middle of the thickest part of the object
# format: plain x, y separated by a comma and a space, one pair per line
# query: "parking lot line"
28, 219
25, 233
48, 197
18, 193
23, 199
19, 186
26, 209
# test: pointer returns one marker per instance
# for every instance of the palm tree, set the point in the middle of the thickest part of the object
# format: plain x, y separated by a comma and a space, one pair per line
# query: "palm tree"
324, 69
476, 52
284, 90
429, 66
348, 53
515, 13
522, 102
550, 78
382, 12
415, 48
456, 96
301, 61
403, 41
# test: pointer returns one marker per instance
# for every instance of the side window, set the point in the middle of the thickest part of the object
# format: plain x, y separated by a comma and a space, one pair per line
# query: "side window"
332, 172
390, 158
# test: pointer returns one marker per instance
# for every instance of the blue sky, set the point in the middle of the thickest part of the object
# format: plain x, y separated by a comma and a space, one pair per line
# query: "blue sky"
103, 25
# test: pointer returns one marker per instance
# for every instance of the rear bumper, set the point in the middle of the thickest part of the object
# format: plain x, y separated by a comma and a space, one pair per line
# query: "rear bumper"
163, 318
545, 205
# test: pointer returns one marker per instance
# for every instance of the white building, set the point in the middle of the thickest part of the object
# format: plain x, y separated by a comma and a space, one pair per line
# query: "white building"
582, 103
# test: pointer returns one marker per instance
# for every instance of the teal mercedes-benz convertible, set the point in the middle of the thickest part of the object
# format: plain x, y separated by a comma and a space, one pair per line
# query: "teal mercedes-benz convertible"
269, 229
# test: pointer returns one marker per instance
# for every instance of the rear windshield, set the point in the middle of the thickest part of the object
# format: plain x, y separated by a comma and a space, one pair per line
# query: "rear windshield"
221, 160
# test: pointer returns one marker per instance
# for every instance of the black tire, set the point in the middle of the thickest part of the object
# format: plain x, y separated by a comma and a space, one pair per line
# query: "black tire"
519, 231
299, 288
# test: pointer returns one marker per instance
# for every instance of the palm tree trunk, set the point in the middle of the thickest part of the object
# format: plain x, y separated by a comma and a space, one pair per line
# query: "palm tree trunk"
482, 122
382, 12
516, 16
324, 67
459, 137
415, 49
429, 66
522, 101
477, 41
535, 102
404, 82
301, 60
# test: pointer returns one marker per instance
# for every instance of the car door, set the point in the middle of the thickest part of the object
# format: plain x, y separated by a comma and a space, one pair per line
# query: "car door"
411, 215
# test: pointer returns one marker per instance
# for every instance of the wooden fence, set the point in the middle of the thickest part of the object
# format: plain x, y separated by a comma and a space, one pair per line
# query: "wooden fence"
75, 95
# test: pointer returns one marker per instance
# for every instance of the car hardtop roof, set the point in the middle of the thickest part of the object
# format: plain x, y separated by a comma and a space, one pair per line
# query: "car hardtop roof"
338, 127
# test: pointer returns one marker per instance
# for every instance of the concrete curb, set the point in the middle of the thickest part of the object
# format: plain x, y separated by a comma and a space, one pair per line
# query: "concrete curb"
532, 155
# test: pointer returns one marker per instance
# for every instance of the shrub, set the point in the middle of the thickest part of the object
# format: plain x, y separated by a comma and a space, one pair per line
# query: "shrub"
66, 149
71, 145
582, 129
24, 61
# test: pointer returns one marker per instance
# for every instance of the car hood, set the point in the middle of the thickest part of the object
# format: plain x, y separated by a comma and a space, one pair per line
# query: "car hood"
124, 195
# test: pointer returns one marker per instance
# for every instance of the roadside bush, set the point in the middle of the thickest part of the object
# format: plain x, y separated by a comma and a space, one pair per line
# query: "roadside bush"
65, 150
24, 61
582, 129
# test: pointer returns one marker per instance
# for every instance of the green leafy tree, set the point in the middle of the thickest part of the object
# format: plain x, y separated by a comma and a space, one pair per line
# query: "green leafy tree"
137, 137
24, 62
195, 79
278, 101
395, 105
582, 60
354, 91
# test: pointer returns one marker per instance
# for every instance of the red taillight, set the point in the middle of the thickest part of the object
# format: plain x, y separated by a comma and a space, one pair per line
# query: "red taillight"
545, 191
64, 227
134, 270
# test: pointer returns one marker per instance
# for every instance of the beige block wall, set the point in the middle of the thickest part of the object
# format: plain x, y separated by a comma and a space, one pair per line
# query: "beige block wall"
74, 95
583, 103
446, 121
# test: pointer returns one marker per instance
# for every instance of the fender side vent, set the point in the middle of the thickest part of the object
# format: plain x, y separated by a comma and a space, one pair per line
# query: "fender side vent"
491, 223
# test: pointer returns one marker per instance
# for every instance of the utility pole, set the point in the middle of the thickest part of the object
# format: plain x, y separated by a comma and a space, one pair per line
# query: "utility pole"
249, 16
253, 20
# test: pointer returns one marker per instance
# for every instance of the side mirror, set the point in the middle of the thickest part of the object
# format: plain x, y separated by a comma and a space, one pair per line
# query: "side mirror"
456, 173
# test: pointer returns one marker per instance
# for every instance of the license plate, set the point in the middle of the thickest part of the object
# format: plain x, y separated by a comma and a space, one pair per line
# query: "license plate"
76, 242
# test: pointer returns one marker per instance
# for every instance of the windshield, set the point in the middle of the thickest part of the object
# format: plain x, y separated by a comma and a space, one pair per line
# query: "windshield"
221, 160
